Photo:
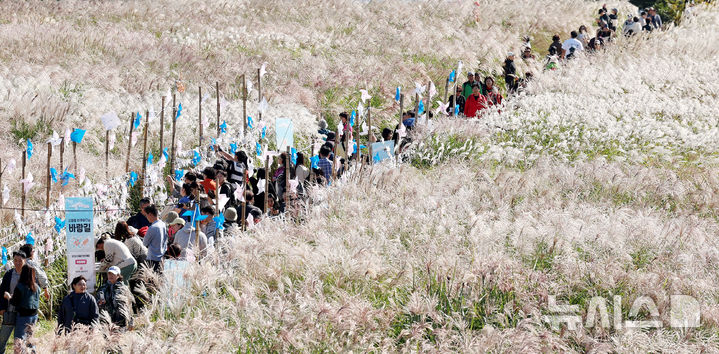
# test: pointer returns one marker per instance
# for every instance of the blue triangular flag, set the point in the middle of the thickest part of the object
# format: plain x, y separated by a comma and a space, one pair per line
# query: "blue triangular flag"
315, 161
196, 158
249, 122
456, 110
59, 224
150, 158
65, 177
233, 148
29, 239
179, 174
376, 158
451, 76
179, 111
164, 153
138, 119
223, 127
219, 221
77, 135
258, 149
293, 156
212, 145
421, 108
4, 255
352, 118
29, 149
53, 174
133, 178
264, 131
397, 94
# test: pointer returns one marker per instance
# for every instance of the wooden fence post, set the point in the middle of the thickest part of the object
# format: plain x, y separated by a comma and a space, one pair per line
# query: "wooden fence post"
162, 124
244, 204
129, 143
401, 109
334, 153
259, 91
199, 112
217, 90
2, 171
267, 184
312, 154
426, 105
144, 152
244, 105
416, 107
446, 89
174, 121
370, 137
49, 176
74, 156
107, 154
24, 161
288, 168
62, 153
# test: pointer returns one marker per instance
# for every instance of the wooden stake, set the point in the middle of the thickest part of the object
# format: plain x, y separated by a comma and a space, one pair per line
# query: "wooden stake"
446, 89
217, 90
244, 205
426, 104
162, 124
107, 153
144, 152
335, 160
259, 91
416, 107
49, 177
24, 161
129, 143
312, 153
370, 138
288, 166
174, 114
2, 171
267, 185
199, 113
62, 153
74, 157
401, 108
244, 104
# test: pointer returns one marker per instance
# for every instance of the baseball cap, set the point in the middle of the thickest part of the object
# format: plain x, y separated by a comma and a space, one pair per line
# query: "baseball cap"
178, 221
114, 270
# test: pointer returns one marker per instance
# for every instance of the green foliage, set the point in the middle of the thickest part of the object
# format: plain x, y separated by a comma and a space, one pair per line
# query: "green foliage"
57, 278
542, 258
22, 130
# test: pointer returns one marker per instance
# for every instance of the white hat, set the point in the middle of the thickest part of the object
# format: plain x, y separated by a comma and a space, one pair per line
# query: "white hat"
114, 270
510, 54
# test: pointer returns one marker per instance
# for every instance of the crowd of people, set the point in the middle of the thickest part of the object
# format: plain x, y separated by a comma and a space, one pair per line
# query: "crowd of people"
220, 201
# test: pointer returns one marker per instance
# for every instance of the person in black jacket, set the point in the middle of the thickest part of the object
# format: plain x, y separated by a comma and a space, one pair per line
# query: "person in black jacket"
26, 299
7, 310
510, 73
138, 220
115, 298
460, 102
556, 47
78, 307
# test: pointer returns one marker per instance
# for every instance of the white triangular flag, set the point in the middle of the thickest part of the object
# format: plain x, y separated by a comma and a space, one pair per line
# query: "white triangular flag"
134, 138
27, 182
261, 186
11, 166
293, 185
365, 95
262, 107
81, 176
459, 70
360, 110
222, 201
419, 89
364, 130
205, 97
239, 196
432, 90
111, 142
110, 120
263, 69
5, 194
67, 136
55, 139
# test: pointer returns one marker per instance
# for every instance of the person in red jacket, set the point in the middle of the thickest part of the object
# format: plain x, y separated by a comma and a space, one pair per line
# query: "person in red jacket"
476, 102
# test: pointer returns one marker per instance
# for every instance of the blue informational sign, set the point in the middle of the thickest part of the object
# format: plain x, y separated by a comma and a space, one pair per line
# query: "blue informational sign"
284, 132
80, 240
382, 151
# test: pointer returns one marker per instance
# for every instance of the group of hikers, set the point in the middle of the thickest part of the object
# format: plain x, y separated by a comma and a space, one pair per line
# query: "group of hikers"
220, 201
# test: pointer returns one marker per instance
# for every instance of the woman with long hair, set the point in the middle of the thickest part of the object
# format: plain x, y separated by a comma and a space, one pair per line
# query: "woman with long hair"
26, 299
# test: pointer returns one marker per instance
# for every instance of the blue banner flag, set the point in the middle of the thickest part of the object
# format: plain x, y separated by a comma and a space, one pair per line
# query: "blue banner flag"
29, 239
29, 149
397, 94
352, 118
59, 224
179, 174
249, 122
219, 221
65, 177
315, 162
179, 111
150, 158
233, 148
258, 149
133, 178
196, 158
451, 76
223, 127
421, 108
293, 157
53, 174
164, 153
77, 135
138, 119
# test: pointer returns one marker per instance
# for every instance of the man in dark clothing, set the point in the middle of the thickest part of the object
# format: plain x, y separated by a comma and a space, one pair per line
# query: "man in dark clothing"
510, 73
460, 101
556, 47
251, 209
7, 310
138, 220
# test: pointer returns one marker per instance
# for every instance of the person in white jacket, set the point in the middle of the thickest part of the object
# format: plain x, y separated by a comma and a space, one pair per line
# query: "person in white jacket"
186, 238
117, 254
